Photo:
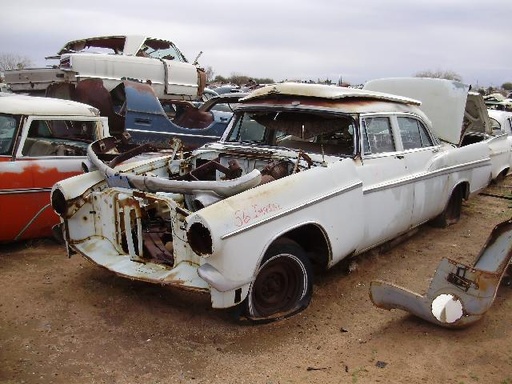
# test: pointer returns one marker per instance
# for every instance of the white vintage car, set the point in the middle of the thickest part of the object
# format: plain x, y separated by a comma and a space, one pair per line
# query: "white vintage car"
479, 125
501, 121
113, 59
304, 175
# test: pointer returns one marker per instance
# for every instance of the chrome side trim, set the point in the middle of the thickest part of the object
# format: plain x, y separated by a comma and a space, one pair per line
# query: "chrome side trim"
426, 175
27, 226
27, 190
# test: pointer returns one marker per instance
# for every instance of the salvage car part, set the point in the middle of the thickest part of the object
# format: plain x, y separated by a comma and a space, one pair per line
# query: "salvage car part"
459, 294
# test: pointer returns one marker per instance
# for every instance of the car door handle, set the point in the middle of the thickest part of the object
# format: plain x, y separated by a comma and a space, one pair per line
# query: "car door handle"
399, 156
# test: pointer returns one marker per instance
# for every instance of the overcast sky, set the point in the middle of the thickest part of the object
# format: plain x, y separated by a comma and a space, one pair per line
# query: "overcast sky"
286, 39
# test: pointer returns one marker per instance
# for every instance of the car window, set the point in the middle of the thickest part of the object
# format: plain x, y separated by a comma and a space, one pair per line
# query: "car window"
377, 135
495, 124
508, 126
311, 132
413, 133
59, 137
159, 49
7, 130
247, 129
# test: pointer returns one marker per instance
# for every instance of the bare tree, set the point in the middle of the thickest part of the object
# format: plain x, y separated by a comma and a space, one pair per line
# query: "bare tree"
239, 79
13, 61
209, 74
440, 74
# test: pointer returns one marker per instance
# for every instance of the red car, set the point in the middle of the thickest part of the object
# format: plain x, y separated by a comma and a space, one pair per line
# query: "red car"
42, 141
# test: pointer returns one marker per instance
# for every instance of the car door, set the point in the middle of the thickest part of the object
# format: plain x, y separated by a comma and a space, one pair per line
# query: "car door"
419, 149
387, 190
26, 181
18, 202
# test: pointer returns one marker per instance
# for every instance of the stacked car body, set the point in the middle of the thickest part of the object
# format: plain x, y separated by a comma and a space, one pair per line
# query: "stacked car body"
114, 58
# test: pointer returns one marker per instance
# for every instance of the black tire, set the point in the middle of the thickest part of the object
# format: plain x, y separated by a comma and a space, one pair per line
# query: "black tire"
451, 213
283, 285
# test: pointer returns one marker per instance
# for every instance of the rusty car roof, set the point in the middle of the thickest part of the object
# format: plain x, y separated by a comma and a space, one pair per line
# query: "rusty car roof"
127, 45
324, 92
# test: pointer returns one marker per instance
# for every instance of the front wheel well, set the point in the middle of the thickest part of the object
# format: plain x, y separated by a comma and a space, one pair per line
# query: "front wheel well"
313, 240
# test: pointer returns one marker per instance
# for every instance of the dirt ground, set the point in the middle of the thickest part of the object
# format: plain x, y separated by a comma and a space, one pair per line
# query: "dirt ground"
67, 321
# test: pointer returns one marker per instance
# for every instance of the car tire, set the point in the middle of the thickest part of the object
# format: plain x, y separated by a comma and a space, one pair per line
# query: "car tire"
452, 211
283, 284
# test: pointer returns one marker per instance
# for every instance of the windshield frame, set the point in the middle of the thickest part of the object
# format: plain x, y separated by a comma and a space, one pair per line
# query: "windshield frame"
315, 118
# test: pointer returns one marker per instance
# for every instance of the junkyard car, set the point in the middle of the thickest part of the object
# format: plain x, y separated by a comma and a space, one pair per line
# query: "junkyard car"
149, 120
498, 101
501, 121
134, 108
480, 127
42, 141
112, 59
304, 175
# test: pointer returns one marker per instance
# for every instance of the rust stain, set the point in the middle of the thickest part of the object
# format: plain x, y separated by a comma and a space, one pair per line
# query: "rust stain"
32, 184
34, 175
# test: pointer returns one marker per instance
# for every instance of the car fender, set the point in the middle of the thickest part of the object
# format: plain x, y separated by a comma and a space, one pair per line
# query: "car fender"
243, 226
